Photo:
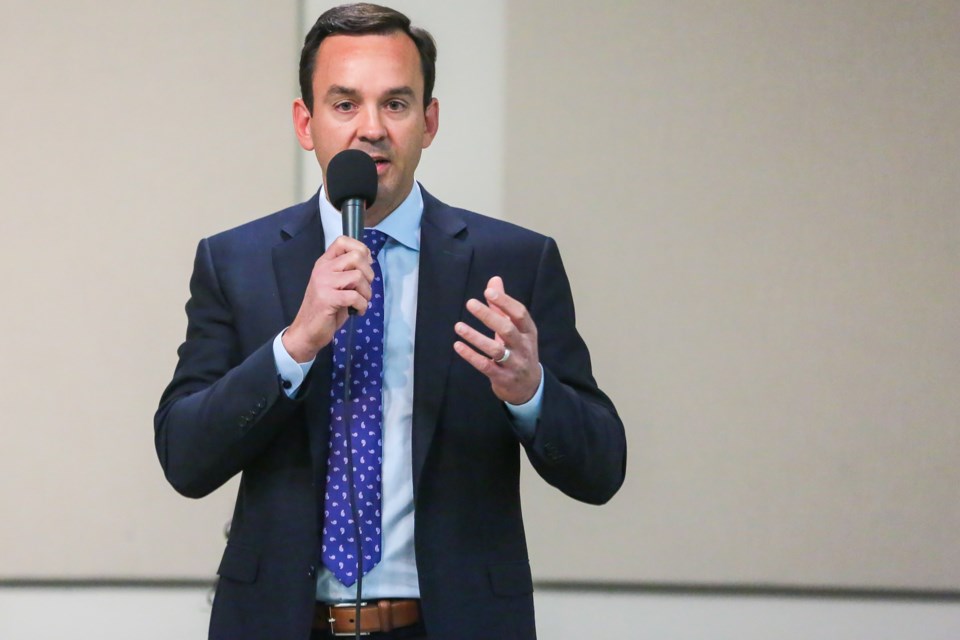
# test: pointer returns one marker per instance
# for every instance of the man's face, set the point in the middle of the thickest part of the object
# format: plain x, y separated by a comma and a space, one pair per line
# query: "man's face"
368, 95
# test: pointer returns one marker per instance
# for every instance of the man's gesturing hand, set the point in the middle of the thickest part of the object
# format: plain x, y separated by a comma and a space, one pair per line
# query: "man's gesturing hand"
516, 377
340, 279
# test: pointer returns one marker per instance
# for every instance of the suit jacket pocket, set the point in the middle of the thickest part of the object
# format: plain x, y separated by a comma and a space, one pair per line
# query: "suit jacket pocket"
239, 563
511, 579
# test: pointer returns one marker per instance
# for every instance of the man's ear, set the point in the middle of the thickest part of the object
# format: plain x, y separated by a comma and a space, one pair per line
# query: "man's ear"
301, 124
432, 119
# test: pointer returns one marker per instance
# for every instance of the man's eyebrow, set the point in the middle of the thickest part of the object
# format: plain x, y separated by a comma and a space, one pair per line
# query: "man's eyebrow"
337, 90
400, 91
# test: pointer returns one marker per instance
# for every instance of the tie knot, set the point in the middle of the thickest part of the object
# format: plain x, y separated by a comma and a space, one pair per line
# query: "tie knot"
375, 240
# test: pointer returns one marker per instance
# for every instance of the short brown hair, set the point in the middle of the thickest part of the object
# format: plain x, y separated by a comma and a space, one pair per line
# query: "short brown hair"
365, 19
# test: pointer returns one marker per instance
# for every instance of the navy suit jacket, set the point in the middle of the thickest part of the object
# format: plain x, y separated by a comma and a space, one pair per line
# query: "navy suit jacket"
225, 413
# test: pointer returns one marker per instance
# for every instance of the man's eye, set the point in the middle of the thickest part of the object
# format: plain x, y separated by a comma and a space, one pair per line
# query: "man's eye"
396, 105
343, 106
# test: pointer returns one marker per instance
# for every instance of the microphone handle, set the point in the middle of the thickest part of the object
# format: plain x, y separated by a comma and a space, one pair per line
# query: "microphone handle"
351, 212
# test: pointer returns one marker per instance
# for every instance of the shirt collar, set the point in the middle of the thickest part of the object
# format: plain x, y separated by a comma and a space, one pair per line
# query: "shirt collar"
402, 224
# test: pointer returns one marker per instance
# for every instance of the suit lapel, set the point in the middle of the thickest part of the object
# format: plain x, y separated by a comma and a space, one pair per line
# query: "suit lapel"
445, 255
293, 261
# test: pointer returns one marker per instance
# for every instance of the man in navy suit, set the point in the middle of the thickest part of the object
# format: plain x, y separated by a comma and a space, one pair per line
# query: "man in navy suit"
471, 375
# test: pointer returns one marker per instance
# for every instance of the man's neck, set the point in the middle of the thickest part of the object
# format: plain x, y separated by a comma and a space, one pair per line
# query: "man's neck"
373, 217
377, 214
402, 224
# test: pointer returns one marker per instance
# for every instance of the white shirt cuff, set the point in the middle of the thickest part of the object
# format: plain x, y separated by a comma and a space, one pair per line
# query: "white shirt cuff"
290, 371
526, 415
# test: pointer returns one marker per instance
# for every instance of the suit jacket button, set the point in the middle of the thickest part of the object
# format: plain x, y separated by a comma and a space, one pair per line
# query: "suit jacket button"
262, 403
312, 572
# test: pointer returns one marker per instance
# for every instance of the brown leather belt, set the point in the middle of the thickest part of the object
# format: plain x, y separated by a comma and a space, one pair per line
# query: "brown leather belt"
382, 615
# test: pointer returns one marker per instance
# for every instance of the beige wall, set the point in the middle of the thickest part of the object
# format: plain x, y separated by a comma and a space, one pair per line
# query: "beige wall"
757, 202
130, 130
756, 206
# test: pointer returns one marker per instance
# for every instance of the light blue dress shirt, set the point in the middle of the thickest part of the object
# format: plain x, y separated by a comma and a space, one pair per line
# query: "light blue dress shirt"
396, 574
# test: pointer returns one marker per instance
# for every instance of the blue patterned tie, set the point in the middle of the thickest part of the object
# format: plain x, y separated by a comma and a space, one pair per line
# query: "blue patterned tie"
364, 419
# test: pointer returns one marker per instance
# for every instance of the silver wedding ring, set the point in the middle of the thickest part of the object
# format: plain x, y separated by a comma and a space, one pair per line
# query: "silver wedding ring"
504, 357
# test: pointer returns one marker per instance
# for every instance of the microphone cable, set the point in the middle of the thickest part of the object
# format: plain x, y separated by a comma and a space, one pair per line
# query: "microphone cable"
353, 489
353, 182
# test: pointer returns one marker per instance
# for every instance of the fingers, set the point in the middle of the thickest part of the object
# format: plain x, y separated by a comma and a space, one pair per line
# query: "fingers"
505, 315
349, 261
477, 360
512, 308
341, 279
345, 254
515, 380
352, 281
345, 266
346, 244
493, 320
350, 298
494, 349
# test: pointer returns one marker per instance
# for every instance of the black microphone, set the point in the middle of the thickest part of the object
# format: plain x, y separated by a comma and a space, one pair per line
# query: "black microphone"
352, 187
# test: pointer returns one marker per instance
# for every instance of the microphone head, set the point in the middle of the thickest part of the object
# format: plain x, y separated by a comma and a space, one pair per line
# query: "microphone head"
351, 174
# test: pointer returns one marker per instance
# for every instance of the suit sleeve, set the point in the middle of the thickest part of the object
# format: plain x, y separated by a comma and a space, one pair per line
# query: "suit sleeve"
221, 409
580, 444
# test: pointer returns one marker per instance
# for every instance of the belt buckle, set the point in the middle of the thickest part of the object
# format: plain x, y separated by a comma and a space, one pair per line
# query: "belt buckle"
332, 620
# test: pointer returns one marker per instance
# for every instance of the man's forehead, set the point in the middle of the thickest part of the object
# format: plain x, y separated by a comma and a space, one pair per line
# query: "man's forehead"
340, 49
356, 61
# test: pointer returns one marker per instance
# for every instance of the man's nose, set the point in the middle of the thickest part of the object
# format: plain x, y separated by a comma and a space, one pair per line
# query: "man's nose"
371, 126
